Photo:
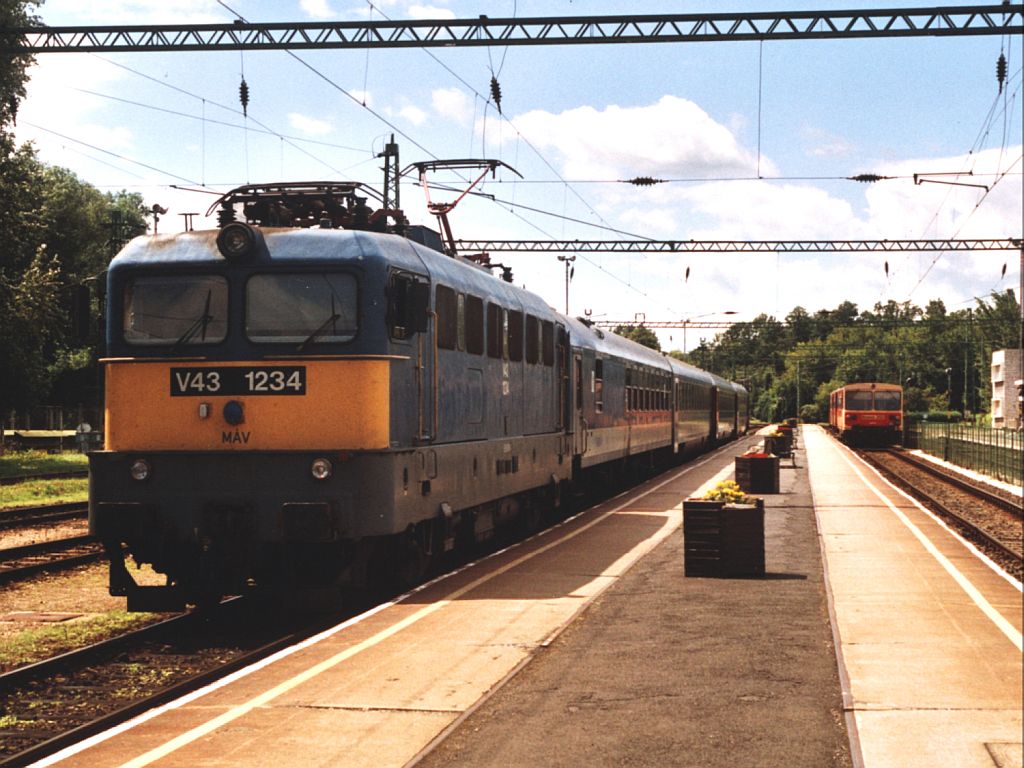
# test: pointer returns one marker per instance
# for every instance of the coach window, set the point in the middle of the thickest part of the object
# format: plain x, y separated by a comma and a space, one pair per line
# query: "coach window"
515, 336
474, 325
446, 307
301, 308
629, 389
599, 385
532, 339
176, 310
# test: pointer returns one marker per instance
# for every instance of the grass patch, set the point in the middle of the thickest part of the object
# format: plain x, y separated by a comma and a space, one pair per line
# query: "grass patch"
37, 644
14, 463
33, 492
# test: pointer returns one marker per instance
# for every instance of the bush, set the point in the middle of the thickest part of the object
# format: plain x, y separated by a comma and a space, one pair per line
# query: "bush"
936, 417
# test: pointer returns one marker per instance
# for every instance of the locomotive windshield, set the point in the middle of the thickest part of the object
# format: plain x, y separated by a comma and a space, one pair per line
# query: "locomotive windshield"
858, 400
887, 401
304, 308
177, 310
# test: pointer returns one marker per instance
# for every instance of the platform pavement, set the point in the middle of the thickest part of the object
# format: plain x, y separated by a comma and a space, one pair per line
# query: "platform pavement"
665, 670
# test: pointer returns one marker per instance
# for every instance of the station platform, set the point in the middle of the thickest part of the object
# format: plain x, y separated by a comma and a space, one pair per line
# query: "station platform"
875, 638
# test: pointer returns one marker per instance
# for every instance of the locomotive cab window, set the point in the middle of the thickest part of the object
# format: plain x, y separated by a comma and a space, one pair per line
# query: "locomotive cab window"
886, 400
175, 309
858, 400
302, 308
408, 304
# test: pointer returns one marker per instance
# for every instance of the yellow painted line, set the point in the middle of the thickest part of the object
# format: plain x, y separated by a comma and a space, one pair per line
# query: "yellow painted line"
972, 591
234, 713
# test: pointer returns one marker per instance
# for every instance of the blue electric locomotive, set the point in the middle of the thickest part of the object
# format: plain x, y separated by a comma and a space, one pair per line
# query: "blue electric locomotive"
316, 406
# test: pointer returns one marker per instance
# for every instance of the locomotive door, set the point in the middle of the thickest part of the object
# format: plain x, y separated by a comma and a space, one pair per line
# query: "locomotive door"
579, 421
713, 425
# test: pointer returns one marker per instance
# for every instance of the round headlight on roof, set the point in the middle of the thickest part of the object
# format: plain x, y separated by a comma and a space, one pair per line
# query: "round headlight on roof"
238, 242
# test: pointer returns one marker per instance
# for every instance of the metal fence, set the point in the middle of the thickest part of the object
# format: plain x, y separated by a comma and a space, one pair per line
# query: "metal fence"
998, 453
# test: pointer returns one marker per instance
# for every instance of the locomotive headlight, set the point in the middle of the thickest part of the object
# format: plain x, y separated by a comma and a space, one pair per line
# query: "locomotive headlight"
239, 242
139, 469
321, 469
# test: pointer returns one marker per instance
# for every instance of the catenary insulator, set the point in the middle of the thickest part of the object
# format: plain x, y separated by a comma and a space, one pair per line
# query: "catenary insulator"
646, 181
1001, 71
496, 93
243, 96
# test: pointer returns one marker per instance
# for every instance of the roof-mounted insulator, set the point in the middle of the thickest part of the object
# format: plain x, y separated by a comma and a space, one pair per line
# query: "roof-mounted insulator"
645, 181
1001, 71
496, 93
243, 96
868, 178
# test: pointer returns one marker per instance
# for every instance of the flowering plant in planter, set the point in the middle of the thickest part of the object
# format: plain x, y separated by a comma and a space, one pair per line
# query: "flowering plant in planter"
729, 492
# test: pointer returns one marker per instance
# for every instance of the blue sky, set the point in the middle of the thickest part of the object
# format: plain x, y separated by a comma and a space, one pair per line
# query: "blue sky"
709, 116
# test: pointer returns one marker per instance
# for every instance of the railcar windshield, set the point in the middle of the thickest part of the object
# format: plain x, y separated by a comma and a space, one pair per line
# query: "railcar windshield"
887, 401
175, 309
303, 308
858, 400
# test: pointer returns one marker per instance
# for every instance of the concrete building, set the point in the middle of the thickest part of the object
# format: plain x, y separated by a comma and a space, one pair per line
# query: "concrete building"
1006, 377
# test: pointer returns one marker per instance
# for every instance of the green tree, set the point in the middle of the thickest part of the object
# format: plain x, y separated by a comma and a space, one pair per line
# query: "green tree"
640, 334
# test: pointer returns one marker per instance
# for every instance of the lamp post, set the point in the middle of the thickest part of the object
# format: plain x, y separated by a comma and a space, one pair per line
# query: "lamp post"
568, 261
689, 320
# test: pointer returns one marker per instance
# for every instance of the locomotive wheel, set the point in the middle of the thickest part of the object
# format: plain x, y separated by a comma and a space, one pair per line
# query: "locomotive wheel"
410, 556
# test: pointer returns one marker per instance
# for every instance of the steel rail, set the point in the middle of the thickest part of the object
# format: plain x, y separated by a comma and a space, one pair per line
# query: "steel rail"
1014, 508
19, 562
80, 658
21, 517
15, 479
924, 496
938, 21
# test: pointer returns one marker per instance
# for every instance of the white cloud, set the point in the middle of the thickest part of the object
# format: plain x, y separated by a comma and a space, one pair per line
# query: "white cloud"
429, 12
672, 138
413, 114
453, 104
317, 9
73, 12
310, 126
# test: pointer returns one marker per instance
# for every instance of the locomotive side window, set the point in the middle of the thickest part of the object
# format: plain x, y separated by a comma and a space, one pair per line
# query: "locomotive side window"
547, 342
408, 304
599, 385
515, 336
303, 308
176, 310
494, 331
446, 307
474, 325
532, 339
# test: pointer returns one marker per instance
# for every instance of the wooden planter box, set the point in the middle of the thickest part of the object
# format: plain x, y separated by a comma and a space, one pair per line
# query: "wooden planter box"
781, 445
758, 474
723, 540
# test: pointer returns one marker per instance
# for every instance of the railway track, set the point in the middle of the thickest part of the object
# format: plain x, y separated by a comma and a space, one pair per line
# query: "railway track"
989, 520
54, 703
20, 517
15, 479
57, 554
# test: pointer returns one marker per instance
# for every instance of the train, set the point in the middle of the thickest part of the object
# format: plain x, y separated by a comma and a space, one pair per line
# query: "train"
315, 396
867, 413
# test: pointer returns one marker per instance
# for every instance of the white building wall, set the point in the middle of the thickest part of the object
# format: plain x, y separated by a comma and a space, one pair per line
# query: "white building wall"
1006, 371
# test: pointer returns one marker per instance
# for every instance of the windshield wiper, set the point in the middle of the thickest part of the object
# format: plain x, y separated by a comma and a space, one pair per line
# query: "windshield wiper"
335, 316
199, 325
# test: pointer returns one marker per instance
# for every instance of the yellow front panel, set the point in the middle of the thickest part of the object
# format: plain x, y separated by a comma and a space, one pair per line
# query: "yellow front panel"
344, 407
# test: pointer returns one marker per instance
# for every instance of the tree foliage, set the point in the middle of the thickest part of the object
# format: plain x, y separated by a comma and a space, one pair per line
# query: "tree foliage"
941, 358
57, 238
640, 334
